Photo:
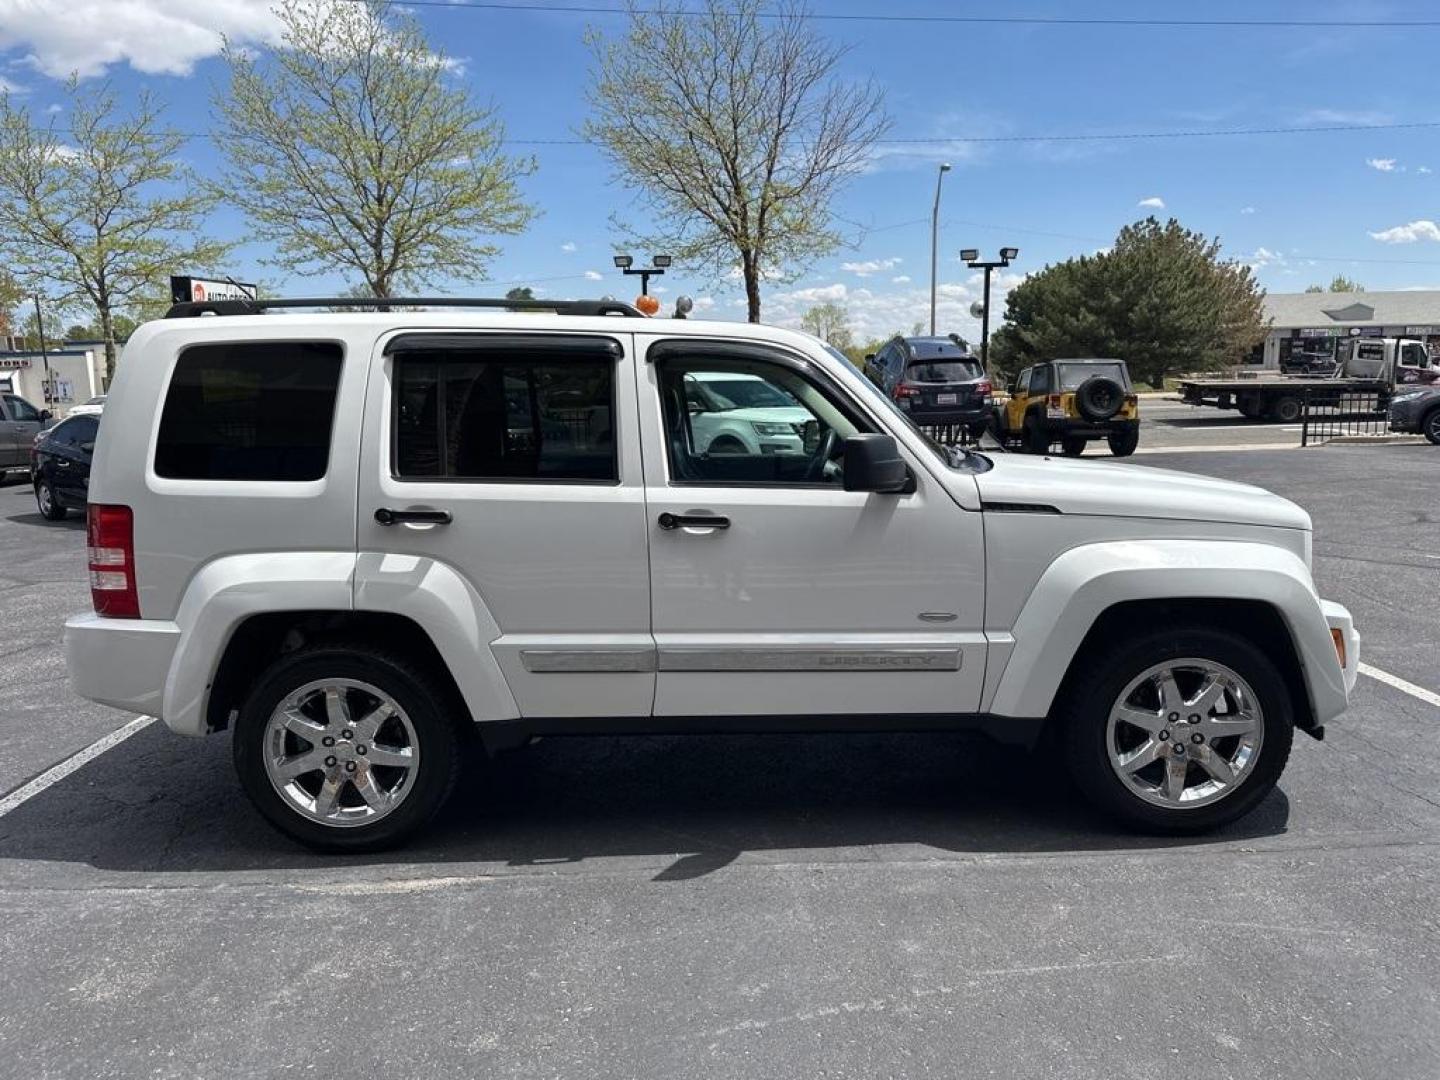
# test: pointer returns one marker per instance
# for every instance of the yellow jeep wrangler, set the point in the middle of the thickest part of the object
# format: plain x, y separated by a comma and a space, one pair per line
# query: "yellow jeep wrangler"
1070, 402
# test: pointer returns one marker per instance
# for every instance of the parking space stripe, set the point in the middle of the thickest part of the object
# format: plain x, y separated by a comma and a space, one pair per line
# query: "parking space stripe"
53, 775
1427, 696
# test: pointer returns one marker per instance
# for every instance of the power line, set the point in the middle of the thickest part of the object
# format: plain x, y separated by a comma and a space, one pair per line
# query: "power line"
955, 20
950, 140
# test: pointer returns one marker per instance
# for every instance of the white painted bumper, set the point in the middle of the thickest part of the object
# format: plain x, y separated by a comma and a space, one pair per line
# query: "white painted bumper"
121, 662
1339, 618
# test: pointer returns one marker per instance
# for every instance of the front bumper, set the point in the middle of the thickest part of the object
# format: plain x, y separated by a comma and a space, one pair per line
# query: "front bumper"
1405, 415
124, 663
1337, 617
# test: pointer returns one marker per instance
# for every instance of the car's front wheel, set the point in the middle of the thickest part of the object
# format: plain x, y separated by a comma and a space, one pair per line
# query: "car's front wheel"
347, 748
45, 501
1430, 425
1177, 731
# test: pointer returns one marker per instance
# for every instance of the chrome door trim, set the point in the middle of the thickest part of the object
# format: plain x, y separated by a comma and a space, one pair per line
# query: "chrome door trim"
557, 661
873, 658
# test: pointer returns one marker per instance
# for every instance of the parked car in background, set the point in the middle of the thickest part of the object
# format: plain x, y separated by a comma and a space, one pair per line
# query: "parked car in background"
60, 465
20, 422
93, 407
733, 413
1071, 402
936, 380
1417, 411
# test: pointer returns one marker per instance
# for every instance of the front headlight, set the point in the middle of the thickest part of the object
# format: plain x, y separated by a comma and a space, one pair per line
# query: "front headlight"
766, 427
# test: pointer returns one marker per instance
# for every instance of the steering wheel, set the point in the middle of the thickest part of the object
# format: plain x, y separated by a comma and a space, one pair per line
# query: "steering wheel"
815, 471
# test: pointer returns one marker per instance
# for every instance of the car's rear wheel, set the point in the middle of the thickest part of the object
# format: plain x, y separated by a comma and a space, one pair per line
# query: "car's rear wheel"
1430, 425
347, 748
1073, 445
1123, 443
1037, 439
49, 507
1178, 731
1286, 409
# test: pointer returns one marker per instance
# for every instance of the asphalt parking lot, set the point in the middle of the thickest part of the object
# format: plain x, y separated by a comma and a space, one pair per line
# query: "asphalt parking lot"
858, 906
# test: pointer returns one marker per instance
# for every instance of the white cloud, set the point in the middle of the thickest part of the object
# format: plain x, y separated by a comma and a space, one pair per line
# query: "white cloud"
1381, 164
568, 247
53, 109
1154, 202
705, 303
594, 275
1344, 117
1264, 257
870, 266
1424, 170
876, 313
903, 279
1247, 209
154, 36
1422, 229
8, 86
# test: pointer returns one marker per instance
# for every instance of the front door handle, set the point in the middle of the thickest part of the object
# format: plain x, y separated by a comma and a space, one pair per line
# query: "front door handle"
386, 516
669, 521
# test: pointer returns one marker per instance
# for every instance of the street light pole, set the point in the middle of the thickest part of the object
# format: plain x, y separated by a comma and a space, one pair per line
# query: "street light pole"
935, 241
972, 260
44, 354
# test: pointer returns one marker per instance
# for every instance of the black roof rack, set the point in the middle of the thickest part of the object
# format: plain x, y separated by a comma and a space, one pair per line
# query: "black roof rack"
254, 307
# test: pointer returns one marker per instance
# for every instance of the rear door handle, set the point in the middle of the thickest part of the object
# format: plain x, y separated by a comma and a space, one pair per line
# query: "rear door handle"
386, 516
669, 521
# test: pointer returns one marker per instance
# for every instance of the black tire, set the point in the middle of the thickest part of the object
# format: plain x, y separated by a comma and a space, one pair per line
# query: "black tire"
725, 445
1249, 408
45, 501
1430, 425
1286, 409
1087, 698
1123, 443
1037, 439
1099, 398
1073, 445
427, 703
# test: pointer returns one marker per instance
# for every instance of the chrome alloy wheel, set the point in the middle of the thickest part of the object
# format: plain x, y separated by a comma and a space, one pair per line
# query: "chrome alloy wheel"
1184, 733
341, 752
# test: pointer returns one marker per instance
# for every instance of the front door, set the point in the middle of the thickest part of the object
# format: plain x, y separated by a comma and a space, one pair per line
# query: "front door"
529, 442
774, 590
22, 427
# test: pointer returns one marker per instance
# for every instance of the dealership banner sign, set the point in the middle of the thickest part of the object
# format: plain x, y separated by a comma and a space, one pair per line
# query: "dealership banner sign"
188, 290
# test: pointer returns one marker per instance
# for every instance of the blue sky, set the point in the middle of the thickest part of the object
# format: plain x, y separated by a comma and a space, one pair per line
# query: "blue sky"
1300, 207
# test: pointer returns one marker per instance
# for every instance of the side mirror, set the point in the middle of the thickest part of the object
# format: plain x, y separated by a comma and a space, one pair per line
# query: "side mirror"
873, 463
88, 447
45, 414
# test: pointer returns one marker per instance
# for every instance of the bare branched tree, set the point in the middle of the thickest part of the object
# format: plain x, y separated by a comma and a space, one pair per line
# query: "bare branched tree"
100, 214
353, 148
735, 128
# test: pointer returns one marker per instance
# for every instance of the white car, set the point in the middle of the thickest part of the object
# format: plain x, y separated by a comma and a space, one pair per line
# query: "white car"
355, 540
735, 413
94, 407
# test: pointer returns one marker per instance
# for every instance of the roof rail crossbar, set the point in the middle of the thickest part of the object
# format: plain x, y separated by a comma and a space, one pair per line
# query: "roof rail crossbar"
254, 307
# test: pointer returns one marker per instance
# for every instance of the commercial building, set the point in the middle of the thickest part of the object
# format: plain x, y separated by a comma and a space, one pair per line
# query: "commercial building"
1310, 323
57, 380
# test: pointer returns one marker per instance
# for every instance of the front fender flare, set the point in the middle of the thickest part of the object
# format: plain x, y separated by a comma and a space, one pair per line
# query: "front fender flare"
1085, 581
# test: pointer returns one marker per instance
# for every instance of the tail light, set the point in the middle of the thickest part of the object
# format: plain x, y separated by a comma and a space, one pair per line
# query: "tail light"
905, 390
1054, 401
983, 388
111, 552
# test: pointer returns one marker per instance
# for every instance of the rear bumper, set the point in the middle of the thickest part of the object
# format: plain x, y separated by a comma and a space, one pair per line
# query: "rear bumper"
124, 663
964, 414
1090, 429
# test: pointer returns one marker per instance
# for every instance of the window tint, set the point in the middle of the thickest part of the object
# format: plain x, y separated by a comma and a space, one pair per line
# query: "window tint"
21, 410
1040, 380
943, 371
82, 429
750, 422
471, 415
1072, 375
250, 411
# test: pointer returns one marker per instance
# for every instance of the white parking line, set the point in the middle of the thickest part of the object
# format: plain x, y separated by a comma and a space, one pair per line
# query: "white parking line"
53, 775
1427, 696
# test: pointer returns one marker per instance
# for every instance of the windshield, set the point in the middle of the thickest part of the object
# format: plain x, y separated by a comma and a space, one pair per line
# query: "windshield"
747, 394
943, 371
1072, 375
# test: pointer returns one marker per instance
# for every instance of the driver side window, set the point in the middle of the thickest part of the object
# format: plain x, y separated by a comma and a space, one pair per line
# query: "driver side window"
750, 422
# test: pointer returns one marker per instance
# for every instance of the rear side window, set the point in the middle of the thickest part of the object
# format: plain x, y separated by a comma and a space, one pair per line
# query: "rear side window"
75, 432
484, 414
250, 411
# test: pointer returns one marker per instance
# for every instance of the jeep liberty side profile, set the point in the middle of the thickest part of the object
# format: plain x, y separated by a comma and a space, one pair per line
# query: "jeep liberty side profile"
356, 540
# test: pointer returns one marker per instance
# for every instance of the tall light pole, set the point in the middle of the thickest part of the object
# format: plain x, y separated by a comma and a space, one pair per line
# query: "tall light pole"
972, 260
935, 240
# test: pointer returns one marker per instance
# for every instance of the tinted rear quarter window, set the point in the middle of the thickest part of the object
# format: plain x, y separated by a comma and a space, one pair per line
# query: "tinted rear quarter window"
250, 411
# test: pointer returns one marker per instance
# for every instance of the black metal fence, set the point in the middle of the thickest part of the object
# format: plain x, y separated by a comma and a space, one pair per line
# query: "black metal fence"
1330, 414
950, 434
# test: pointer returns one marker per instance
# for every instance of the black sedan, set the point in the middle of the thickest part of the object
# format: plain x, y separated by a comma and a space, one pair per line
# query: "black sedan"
1417, 411
60, 465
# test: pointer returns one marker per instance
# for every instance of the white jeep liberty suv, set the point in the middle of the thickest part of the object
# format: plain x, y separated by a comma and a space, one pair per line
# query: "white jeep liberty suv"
356, 540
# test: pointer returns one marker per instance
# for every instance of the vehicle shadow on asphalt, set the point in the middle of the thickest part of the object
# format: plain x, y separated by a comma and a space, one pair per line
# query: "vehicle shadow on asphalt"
74, 522
162, 803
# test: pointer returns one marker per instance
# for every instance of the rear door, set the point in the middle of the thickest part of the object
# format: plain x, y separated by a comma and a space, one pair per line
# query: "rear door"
529, 442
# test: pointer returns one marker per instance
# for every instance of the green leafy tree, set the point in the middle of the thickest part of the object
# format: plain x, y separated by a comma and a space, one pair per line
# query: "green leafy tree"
352, 148
103, 215
830, 323
12, 296
734, 126
1162, 299
1339, 283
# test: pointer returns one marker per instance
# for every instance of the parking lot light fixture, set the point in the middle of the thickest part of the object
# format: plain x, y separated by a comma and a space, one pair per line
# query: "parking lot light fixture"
622, 262
971, 257
658, 265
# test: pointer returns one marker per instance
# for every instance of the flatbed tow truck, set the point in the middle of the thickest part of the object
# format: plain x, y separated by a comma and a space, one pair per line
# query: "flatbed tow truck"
1366, 367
